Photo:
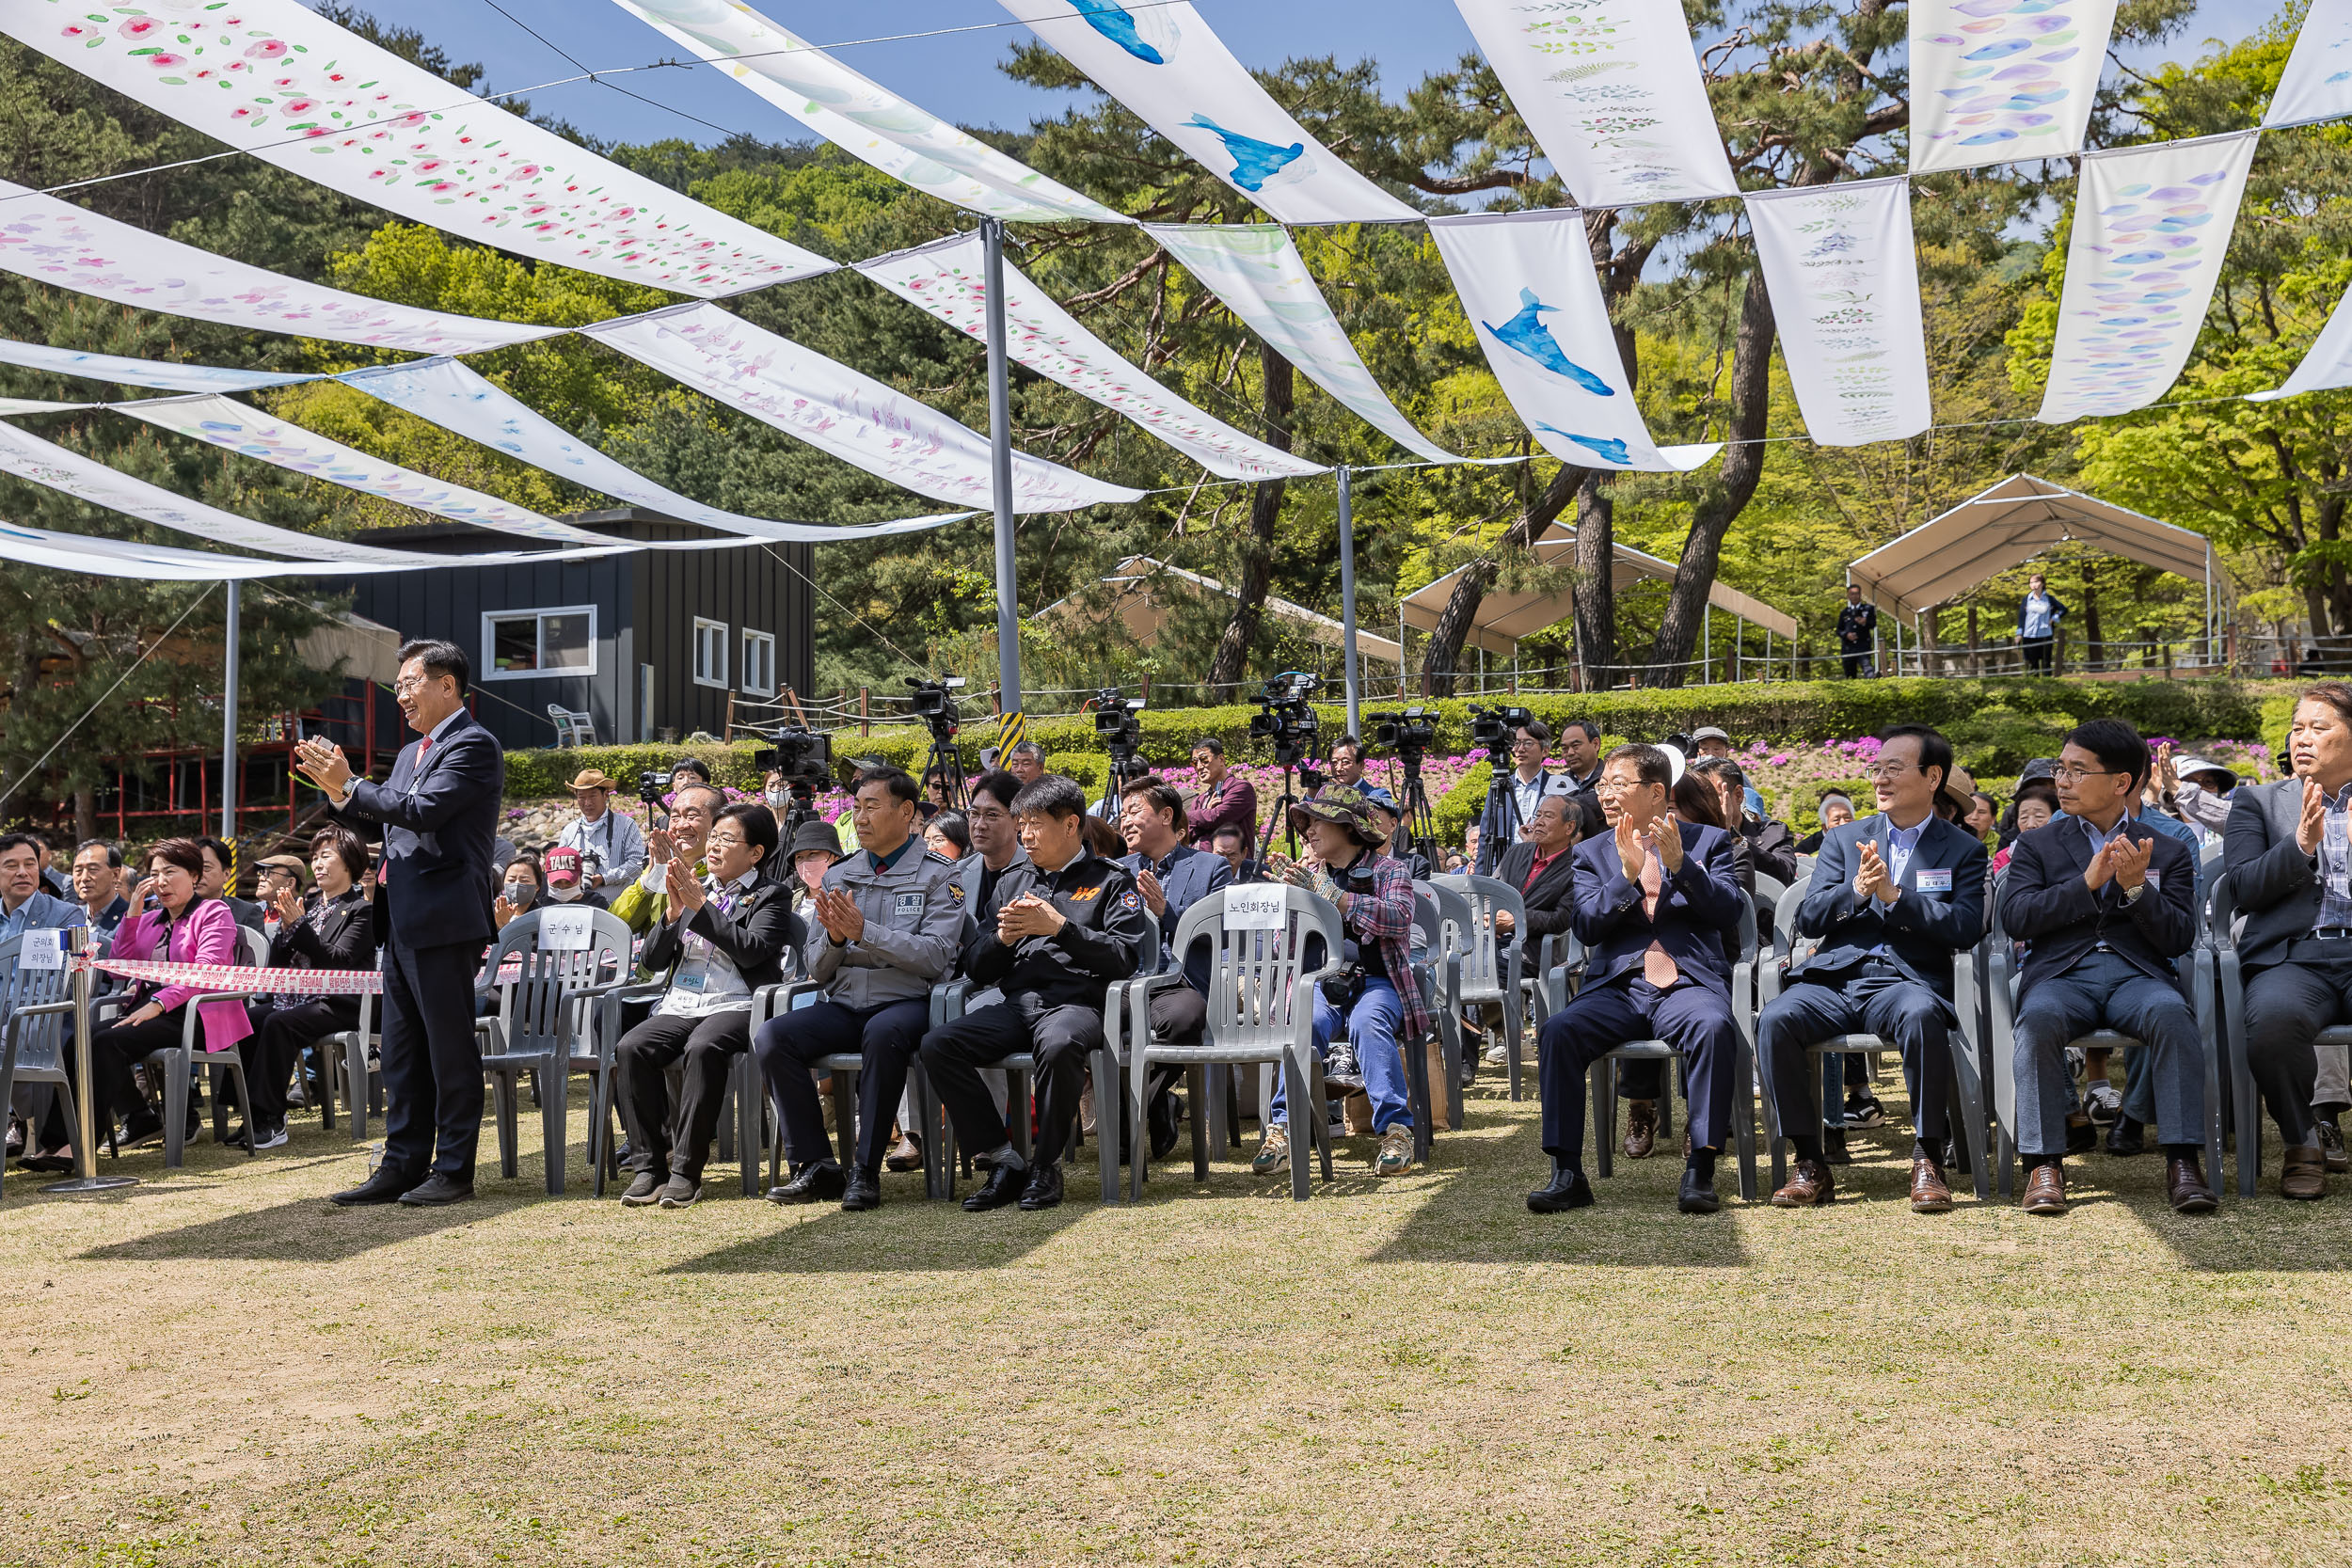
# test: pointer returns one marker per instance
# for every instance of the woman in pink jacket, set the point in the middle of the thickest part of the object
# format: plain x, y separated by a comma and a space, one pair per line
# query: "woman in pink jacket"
170, 921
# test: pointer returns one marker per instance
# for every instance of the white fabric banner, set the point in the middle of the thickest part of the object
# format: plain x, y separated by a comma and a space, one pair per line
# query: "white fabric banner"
1612, 92
1160, 59
2327, 364
1256, 270
837, 410
1998, 81
1844, 280
56, 242
118, 558
46, 463
457, 399
293, 89
35, 405
1527, 283
125, 371
948, 279
251, 433
2317, 84
2151, 225
862, 117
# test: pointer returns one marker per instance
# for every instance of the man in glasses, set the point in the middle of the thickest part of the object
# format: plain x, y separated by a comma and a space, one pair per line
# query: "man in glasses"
1654, 901
2106, 906
1892, 897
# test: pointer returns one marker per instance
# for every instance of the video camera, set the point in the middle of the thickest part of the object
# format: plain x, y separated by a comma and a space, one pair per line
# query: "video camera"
934, 702
1119, 725
804, 757
1409, 733
1288, 716
652, 787
1492, 729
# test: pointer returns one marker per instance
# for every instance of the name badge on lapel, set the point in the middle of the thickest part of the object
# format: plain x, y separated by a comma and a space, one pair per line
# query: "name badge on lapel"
910, 904
1936, 880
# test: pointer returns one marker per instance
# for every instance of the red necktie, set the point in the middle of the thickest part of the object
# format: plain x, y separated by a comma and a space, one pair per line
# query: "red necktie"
1658, 965
423, 746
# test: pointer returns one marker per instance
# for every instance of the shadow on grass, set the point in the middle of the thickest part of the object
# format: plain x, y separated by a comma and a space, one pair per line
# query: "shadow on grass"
906, 1232
308, 1230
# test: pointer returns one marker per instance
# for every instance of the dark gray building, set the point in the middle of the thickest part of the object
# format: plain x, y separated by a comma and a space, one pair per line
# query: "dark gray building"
642, 643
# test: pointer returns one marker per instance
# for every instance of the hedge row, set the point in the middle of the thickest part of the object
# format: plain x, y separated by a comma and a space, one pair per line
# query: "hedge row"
1788, 713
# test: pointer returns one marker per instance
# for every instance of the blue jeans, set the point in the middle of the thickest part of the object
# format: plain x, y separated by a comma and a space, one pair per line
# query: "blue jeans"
2105, 990
1371, 1022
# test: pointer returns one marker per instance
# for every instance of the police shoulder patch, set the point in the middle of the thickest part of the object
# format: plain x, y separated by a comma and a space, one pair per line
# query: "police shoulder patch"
955, 891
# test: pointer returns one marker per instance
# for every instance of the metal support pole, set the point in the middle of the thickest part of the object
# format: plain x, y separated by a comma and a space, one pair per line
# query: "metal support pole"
1000, 469
1707, 645
227, 726
1347, 607
84, 1177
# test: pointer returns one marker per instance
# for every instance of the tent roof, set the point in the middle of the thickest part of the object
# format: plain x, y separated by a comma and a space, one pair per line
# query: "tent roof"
1140, 585
1503, 619
2015, 520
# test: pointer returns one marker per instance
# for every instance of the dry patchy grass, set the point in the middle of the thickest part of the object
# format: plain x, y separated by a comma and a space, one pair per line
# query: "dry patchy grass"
218, 1368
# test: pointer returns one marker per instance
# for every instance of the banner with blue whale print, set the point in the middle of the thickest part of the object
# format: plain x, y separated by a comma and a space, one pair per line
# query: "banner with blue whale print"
1161, 60
1526, 281
2317, 84
1845, 287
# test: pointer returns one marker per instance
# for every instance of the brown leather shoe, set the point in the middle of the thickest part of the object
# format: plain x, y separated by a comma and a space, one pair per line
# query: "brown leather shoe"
2305, 1175
1810, 1186
1928, 1193
1641, 1127
2184, 1187
906, 1154
2045, 1190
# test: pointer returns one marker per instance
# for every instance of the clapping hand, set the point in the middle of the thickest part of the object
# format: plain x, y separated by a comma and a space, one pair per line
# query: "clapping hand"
843, 921
1873, 880
1154, 895
686, 893
1027, 916
2128, 860
323, 764
1663, 838
288, 905
2102, 867
661, 845
1630, 852
503, 912
2310, 828
2167, 779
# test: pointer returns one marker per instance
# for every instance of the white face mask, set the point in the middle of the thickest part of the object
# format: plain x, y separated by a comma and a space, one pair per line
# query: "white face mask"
567, 895
776, 798
521, 893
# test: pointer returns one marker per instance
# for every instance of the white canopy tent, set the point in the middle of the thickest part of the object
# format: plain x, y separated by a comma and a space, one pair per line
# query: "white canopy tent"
2013, 521
1503, 618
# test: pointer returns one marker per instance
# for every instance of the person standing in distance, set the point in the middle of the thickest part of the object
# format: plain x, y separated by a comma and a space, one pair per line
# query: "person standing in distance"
1857, 633
438, 817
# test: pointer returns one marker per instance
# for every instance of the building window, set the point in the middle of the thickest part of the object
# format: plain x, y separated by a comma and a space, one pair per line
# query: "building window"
531, 645
759, 664
710, 653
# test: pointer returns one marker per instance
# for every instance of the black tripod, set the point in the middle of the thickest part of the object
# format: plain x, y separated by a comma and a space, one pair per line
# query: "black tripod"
1125, 769
948, 762
1501, 815
1420, 821
1281, 817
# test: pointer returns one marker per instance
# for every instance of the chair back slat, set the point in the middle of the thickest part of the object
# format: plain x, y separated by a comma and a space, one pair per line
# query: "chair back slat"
1485, 969
532, 1005
42, 1045
1255, 996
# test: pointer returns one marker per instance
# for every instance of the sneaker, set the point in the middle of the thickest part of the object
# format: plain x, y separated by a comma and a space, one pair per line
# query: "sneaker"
1864, 1111
2105, 1102
2331, 1145
643, 1188
1498, 1056
272, 1137
1396, 1151
1274, 1153
1340, 1070
680, 1192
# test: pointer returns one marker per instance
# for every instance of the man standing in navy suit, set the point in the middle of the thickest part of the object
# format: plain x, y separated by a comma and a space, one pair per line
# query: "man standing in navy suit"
438, 817
1655, 899
1892, 897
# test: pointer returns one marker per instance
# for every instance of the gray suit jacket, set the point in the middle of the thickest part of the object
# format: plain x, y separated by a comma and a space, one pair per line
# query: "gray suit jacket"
2276, 885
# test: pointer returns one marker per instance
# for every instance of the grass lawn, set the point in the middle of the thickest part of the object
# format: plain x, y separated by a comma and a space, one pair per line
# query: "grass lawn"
216, 1367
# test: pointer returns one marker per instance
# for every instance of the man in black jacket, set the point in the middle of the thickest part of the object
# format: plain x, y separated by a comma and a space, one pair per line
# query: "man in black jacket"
1893, 899
439, 814
1858, 632
720, 937
2106, 906
1054, 933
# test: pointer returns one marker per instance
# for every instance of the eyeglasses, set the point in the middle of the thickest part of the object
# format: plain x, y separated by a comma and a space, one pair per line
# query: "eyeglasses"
1886, 772
1615, 787
2071, 774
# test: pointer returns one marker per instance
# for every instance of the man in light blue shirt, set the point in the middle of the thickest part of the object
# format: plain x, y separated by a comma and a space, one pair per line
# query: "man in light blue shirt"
26, 905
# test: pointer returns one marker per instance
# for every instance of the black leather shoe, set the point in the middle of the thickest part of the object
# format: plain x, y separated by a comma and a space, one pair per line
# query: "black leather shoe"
438, 1191
1566, 1190
2081, 1138
385, 1186
1163, 1119
1833, 1147
2124, 1136
1698, 1193
1044, 1188
861, 1191
818, 1181
1002, 1188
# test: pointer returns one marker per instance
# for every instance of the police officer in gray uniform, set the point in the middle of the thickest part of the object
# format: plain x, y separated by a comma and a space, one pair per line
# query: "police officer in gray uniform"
884, 928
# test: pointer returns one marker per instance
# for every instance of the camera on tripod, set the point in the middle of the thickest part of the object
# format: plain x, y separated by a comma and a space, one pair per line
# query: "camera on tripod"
804, 757
1287, 717
934, 702
1492, 729
1119, 725
1409, 733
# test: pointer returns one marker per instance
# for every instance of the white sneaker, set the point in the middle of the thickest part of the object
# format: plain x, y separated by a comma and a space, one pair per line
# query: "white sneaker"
273, 1138
2106, 1104
1498, 1056
1274, 1153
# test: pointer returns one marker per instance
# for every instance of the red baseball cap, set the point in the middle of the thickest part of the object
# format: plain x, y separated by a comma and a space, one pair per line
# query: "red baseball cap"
563, 866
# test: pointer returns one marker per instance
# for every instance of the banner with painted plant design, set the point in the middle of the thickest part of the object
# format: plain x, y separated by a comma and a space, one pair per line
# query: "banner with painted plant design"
1844, 281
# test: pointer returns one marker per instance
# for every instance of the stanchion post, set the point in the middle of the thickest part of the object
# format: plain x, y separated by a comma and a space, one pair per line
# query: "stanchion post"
1347, 606
84, 1177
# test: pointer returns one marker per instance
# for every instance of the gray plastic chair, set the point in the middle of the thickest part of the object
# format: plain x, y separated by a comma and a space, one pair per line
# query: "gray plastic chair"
1603, 1073
1967, 1059
2245, 1100
1020, 1069
843, 1068
1489, 970
543, 1020
172, 1063
37, 1008
1261, 1009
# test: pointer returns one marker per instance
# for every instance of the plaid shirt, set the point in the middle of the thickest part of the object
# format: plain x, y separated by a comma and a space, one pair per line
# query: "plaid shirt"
1385, 917
2335, 862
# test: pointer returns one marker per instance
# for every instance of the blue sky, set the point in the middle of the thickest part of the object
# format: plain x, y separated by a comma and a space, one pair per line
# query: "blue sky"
953, 74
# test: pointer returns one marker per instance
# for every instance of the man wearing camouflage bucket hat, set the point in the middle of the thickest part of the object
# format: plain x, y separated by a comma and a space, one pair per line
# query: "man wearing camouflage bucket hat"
1375, 993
